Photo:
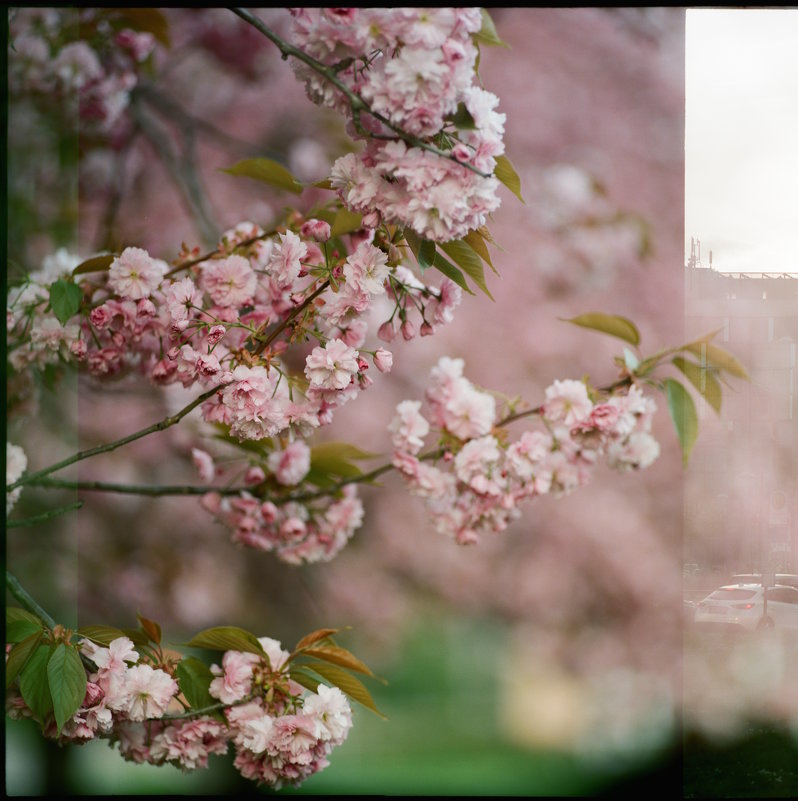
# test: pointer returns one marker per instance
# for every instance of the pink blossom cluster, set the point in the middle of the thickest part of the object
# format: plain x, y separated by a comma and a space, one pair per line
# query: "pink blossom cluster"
288, 737
47, 59
296, 531
414, 68
479, 478
281, 732
226, 322
123, 689
36, 337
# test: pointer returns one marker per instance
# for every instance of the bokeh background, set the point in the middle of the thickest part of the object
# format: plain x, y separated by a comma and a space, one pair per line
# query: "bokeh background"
549, 660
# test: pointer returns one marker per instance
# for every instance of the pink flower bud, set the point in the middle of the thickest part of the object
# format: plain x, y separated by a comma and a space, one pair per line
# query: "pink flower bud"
268, 511
461, 152
315, 229
254, 475
211, 502
386, 331
215, 334
426, 329
163, 371
100, 317
145, 308
78, 349
408, 330
362, 364
94, 694
371, 219
383, 360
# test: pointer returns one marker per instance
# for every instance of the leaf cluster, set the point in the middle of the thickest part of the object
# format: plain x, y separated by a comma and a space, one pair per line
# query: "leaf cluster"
704, 364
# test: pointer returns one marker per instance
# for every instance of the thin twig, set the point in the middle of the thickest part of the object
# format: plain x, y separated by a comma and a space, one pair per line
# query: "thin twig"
36, 519
263, 344
162, 425
21, 594
133, 489
182, 171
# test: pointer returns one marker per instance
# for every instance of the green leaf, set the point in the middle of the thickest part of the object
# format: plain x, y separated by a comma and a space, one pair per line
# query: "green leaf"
19, 655
345, 222
426, 254
268, 171
150, 628
22, 629
334, 460
462, 118
346, 683
21, 624
451, 272
718, 357
464, 256
194, 678
413, 241
314, 637
683, 414
137, 637
65, 298
703, 380
506, 173
610, 324
487, 33
33, 684
305, 679
477, 241
338, 656
66, 677
96, 264
227, 638
102, 635
422, 249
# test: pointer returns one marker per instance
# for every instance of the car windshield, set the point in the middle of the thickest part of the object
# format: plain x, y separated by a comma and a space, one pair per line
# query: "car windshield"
732, 594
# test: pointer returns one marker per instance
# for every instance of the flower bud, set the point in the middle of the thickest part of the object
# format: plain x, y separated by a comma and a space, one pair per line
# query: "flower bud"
383, 360
254, 475
315, 229
211, 502
215, 334
386, 331
371, 219
78, 349
408, 330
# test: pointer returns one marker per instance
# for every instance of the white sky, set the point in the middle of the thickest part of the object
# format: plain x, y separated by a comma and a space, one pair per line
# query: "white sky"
741, 146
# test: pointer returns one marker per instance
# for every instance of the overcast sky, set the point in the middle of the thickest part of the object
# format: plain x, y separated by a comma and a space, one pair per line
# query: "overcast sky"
741, 192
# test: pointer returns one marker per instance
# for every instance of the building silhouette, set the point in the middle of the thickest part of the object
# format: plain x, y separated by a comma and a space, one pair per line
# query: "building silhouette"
741, 487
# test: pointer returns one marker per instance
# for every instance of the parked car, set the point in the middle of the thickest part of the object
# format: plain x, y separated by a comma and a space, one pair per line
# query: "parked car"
742, 606
790, 579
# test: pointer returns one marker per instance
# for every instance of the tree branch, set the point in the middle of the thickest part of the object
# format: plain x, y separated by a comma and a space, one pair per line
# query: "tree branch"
182, 171
32, 521
19, 592
162, 425
132, 489
356, 103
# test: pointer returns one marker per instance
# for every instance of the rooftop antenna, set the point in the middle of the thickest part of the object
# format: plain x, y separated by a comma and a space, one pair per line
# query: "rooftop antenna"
695, 252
